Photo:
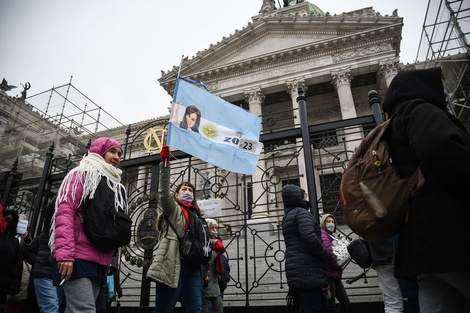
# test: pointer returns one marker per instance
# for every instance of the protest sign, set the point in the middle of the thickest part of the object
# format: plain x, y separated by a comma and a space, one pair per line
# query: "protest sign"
210, 208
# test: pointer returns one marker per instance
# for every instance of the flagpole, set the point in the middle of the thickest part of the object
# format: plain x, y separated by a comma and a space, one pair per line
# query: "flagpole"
176, 87
177, 78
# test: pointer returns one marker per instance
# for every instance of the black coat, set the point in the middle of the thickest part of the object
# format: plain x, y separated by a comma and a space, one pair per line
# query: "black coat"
39, 253
306, 258
9, 261
424, 134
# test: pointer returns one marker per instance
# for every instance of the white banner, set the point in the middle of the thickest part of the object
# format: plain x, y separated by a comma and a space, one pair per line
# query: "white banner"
210, 208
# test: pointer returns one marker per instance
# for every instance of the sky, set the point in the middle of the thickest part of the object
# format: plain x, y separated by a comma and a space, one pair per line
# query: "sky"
116, 49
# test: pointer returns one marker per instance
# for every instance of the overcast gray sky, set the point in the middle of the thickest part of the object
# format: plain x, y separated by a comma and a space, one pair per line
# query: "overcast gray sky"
116, 49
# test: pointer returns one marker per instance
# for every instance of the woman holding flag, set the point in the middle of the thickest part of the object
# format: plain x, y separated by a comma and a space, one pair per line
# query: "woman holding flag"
176, 278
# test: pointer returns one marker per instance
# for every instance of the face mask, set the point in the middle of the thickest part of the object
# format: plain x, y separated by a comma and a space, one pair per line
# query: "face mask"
186, 197
330, 226
214, 234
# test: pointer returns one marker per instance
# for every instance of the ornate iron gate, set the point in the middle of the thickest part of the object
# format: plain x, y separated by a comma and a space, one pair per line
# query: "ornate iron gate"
252, 206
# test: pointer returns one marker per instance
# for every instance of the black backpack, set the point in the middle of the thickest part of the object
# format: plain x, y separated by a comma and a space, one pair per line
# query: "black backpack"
195, 244
360, 253
106, 228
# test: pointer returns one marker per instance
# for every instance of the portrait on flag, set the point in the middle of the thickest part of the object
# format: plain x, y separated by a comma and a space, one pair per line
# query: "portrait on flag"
214, 130
188, 118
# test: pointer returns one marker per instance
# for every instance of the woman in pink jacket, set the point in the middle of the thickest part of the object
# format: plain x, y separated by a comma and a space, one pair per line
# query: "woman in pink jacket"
334, 272
78, 264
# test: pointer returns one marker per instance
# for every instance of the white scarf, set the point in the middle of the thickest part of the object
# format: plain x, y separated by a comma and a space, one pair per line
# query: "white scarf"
91, 169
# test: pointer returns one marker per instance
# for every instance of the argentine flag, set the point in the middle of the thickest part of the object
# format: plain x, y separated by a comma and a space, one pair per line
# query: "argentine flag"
214, 130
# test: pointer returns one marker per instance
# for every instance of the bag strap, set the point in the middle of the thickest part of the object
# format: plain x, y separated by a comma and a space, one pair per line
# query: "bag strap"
171, 225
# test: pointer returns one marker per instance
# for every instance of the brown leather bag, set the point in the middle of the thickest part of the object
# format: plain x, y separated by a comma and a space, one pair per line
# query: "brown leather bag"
375, 200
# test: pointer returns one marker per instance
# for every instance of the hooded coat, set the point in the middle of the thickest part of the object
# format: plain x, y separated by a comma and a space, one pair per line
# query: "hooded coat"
334, 270
306, 258
423, 133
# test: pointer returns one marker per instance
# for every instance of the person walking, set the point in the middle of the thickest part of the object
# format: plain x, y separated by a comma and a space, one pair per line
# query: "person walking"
334, 272
9, 251
306, 257
39, 256
382, 255
214, 271
422, 133
18, 294
78, 263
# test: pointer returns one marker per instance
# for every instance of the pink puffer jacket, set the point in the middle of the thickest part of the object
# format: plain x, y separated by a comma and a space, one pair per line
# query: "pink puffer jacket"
333, 270
70, 241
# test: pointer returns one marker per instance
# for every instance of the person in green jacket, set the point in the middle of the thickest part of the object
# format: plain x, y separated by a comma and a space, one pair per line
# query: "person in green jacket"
176, 278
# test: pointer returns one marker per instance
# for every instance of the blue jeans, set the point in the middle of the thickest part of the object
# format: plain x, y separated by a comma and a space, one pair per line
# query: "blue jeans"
101, 300
46, 294
188, 292
313, 300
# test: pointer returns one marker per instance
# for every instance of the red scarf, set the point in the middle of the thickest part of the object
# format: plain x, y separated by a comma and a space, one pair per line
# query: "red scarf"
185, 207
219, 266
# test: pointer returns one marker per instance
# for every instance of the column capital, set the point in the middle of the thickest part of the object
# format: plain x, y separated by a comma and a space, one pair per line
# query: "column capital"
389, 67
292, 86
254, 95
341, 77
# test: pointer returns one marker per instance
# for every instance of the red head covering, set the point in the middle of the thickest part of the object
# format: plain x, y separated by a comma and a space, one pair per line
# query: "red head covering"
102, 145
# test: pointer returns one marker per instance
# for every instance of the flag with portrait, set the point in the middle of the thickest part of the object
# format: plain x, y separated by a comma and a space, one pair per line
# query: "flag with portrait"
214, 130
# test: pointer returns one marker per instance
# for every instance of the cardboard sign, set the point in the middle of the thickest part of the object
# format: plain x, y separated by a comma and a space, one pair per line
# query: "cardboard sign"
22, 226
211, 207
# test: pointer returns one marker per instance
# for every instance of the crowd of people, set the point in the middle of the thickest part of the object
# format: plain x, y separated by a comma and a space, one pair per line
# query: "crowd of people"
63, 271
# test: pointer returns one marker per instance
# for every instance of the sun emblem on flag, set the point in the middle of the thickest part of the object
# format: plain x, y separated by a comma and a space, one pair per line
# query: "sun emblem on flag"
209, 130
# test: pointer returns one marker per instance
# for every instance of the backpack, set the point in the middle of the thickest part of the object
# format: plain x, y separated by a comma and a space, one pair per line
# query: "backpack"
195, 244
359, 251
107, 228
374, 198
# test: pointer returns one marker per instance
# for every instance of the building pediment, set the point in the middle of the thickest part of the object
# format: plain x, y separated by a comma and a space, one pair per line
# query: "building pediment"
289, 35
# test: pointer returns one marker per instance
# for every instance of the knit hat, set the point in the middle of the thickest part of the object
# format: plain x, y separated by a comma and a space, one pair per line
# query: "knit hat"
102, 145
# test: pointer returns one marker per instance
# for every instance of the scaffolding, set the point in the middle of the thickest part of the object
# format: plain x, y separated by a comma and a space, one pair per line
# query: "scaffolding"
445, 42
62, 114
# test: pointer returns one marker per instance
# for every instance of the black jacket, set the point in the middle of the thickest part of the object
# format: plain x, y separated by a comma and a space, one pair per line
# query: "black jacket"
424, 134
39, 253
306, 258
9, 260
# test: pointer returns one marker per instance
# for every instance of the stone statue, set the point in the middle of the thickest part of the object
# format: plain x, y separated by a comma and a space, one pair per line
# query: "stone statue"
5, 87
267, 7
23, 93
292, 2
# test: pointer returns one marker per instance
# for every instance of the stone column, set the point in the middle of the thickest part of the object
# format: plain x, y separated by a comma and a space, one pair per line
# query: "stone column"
342, 82
292, 89
254, 98
389, 69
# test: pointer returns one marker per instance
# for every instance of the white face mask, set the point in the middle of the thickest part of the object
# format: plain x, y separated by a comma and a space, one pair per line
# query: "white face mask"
330, 226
